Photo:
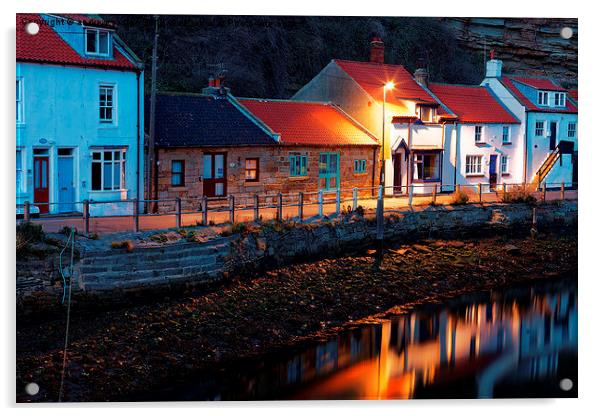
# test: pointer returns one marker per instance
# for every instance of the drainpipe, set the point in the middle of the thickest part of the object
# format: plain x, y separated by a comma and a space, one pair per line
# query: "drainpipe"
456, 154
442, 154
526, 147
374, 165
138, 135
410, 156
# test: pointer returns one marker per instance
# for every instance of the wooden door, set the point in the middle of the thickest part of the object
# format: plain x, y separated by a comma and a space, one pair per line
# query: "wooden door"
553, 129
215, 179
40, 182
492, 171
65, 184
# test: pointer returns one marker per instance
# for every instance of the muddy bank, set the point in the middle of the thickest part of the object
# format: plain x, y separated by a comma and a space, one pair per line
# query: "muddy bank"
120, 353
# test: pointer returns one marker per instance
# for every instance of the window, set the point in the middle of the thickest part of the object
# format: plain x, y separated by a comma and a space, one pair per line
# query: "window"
19, 91
426, 113
19, 174
177, 173
298, 164
252, 170
426, 166
359, 166
97, 42
539, 126
542, 98
559, 99
506, 135
572, 130
108, 170
504, 163
478, 134
473, 165
106, 103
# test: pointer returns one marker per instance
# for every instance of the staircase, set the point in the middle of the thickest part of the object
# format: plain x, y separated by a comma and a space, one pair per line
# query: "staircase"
563, 147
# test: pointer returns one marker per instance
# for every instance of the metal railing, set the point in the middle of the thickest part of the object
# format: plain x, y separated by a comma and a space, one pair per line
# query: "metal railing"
136, 215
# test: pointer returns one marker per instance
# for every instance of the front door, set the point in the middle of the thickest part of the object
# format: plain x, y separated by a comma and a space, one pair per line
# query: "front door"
65, 181
553, 127
492, 171
397, 173
40, 182
214, 174
328, 168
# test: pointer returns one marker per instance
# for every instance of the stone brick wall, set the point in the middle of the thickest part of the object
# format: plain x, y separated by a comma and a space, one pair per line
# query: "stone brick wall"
273, 171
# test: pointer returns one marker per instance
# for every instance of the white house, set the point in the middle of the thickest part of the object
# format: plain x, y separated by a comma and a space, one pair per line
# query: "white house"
79, 115
548, 115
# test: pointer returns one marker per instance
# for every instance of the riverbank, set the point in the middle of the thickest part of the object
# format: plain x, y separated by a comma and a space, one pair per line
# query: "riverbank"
123, 352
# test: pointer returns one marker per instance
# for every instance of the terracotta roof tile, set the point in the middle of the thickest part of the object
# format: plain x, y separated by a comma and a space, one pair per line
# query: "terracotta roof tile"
509, 82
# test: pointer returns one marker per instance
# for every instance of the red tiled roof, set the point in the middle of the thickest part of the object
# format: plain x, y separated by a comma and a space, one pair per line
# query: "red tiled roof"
472, 104
539, 83
48, 47
372, 76
574, 95
508, 82
302, 122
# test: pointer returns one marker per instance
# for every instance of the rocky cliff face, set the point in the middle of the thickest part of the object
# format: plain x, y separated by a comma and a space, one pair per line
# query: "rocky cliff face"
526, 46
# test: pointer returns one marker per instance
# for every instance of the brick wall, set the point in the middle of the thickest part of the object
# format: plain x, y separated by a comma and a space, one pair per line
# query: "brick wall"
274, 168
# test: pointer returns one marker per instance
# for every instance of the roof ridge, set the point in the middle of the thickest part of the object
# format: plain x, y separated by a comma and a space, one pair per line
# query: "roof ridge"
456, 85
287, 100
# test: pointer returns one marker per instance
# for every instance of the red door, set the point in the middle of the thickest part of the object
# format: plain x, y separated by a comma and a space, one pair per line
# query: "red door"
214, 174
40, 182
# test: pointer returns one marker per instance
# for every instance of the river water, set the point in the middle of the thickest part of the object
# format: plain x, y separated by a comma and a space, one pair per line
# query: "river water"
519, 342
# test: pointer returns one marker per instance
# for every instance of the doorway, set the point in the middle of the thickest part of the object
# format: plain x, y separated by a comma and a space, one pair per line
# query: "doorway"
553, 128
214, 174
41, 191
328, 171
492, 171
66, 180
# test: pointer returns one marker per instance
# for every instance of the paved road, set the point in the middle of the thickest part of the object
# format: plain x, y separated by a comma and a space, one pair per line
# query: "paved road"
102, 225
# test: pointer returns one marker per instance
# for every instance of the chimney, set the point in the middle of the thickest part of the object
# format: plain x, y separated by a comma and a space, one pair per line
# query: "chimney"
494, 67
421, 75
216, 87
377, 50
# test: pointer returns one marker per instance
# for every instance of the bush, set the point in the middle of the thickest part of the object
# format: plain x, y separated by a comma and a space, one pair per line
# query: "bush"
519, 195
460, 198
33, 233
127, 244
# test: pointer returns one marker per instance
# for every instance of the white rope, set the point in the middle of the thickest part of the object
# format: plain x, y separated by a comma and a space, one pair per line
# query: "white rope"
72, 238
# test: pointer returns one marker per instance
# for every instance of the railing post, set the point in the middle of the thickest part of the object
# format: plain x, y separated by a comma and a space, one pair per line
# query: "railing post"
320, 203
204, 207
86, 209
279, 207
355, 191
136, 216
562, 191
543, 191
504, 188
178, 212
255, 207
300, 207
231, 203
26, 211
480, 188
435, 194
411, 195
338, 205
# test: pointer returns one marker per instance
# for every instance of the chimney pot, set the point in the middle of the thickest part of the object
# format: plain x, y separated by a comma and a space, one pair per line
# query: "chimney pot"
377, 50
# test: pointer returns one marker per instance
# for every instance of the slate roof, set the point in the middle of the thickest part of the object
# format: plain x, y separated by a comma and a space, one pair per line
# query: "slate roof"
472, 103
509, 82
194, 120
372, 76
47, 46
312, 123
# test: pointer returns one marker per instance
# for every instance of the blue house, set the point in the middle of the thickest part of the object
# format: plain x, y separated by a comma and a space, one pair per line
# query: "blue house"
79, 115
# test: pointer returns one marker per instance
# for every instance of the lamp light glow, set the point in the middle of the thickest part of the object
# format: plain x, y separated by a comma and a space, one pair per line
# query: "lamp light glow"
389, 85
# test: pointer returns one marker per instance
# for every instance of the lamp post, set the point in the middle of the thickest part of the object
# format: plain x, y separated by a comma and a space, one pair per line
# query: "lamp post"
388, 86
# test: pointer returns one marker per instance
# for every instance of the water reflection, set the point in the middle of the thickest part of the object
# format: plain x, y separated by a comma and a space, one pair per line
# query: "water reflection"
517, 343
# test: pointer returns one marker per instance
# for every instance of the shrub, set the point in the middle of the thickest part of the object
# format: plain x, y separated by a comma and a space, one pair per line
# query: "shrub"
32, 233
127, 244
519, 194
239, 227
360, 211
460, 198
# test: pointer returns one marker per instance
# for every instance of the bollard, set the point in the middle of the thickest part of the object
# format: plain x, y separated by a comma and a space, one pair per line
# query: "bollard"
480, 188
320, 203
26, 211
205, 208
231, 203
178, 212
355, 198
87, 216
543, 192
435, 194
255, 207
300, 207
562, 191
136, 216
338, 203
279, 207
411, 195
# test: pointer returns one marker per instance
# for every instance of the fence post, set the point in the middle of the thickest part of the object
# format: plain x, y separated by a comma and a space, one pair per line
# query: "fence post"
480, 187
255, 207
279, 208
355, 190
320, 203
178, 212
231, 203
338, 206
205, 207
26, 211
543, 191
300, 207
136, 216
504, 188
411, 195
562, 191
380, 215
86, 216
435, 194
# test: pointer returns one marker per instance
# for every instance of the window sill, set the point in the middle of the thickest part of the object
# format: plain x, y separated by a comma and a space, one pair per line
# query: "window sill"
506, 143
480, 143
426, 180
252, 183
107, 126
506, 174
105, 191
298, 178
20, 125
360, 173
474, 175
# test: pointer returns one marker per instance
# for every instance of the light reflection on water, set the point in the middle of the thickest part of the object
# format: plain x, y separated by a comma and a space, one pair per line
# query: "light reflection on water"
516, 343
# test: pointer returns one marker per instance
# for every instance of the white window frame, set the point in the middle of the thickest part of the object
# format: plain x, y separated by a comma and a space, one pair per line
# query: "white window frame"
506, 135
559, 99
504, 164
543, 128
474, 165
543, 98
113, 106
19, 102
571, 132
122, 159
97, 33
19, 172
478, 134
